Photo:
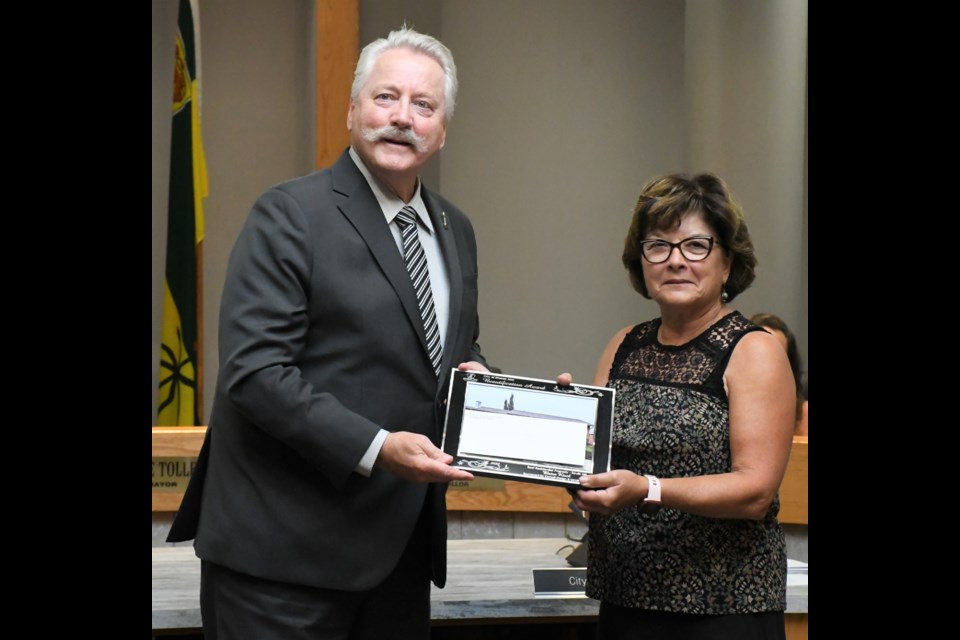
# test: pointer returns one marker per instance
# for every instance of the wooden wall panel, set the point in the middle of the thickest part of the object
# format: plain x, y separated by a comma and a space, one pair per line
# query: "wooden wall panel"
516, 496
796, 626
793, 489
338, 47
185, 442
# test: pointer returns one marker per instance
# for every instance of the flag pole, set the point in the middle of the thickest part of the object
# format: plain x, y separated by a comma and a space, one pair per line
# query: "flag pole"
199, 347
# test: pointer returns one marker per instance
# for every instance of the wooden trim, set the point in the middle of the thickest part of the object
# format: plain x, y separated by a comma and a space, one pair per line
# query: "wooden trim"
793, 489
185, 442
198, 373
795, 626
338, 47
177, 442
516, 496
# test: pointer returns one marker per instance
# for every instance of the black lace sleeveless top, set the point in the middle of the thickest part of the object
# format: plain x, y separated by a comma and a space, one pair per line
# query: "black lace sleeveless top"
672, 420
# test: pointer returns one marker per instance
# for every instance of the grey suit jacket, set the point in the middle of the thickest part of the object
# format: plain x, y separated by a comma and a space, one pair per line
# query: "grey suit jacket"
321, 345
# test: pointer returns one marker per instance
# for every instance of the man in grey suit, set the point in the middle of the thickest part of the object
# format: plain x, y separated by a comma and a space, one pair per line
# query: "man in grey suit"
317, 507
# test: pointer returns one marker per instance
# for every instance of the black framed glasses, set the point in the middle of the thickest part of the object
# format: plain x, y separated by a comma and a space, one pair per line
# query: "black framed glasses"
693, 249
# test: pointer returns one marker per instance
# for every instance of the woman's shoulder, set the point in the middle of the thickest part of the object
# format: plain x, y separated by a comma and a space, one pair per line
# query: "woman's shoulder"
635, 331
622, 341
614, 343
755, 351
757, 361
736, 322
758, 342
729, 330
644, 328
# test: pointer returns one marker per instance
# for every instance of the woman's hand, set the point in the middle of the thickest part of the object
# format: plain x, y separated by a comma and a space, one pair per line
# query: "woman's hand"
610, 492
472, 365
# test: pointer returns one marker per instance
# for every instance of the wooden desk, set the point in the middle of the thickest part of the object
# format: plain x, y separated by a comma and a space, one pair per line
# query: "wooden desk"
488, 582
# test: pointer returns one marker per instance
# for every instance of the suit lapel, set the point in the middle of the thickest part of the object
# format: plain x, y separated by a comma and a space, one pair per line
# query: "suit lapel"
363, 211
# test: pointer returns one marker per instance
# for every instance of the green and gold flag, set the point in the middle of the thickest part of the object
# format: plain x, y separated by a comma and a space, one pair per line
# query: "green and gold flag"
179, 401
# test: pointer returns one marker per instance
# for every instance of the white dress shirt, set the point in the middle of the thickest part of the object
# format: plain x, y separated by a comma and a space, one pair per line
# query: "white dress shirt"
439, 279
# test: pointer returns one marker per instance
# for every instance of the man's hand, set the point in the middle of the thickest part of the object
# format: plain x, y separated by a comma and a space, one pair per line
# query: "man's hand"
413, 457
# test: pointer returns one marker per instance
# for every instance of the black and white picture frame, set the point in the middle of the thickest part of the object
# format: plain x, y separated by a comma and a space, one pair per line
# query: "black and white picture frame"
528, 429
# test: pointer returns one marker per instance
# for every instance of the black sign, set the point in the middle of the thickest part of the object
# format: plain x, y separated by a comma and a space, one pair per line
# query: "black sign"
559, 583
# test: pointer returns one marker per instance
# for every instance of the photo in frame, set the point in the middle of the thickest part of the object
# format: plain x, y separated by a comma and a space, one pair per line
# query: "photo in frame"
527, 429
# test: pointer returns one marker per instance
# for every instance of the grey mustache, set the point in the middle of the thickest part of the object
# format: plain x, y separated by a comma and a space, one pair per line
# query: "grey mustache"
391, 132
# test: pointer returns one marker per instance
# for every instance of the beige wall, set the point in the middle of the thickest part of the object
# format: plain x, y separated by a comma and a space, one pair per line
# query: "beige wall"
745, 106
164, 29
565, 109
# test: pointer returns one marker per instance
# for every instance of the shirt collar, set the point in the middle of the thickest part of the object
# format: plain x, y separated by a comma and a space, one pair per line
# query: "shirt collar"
389, 203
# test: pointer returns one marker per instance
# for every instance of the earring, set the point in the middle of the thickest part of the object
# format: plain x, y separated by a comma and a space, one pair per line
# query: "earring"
724, 296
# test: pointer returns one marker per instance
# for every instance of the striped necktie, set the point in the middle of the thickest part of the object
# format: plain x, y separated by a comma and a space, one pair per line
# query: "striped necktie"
416, 262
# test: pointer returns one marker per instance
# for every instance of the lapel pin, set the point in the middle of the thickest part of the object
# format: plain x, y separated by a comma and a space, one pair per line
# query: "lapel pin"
443, 216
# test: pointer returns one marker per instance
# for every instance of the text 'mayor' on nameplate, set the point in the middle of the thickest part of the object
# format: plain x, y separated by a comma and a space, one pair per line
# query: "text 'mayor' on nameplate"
560, 583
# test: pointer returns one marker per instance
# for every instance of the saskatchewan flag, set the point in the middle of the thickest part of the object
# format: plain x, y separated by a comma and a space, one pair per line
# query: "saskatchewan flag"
179, 400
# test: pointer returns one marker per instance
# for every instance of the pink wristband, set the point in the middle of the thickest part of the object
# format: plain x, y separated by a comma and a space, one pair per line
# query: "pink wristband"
653, 490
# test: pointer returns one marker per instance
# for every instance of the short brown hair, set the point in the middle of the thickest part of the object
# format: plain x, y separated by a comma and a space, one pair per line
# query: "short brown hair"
665, 200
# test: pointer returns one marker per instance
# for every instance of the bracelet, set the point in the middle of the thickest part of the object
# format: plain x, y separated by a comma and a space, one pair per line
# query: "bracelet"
653, 491
651, 504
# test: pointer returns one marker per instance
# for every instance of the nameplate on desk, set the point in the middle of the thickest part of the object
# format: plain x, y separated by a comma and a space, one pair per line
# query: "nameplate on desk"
560, 583
172, 474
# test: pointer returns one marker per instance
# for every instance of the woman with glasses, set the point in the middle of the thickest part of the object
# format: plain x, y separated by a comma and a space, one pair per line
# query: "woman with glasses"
683, 538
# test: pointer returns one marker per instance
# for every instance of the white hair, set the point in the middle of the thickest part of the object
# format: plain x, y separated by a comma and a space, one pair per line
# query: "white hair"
419, 42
